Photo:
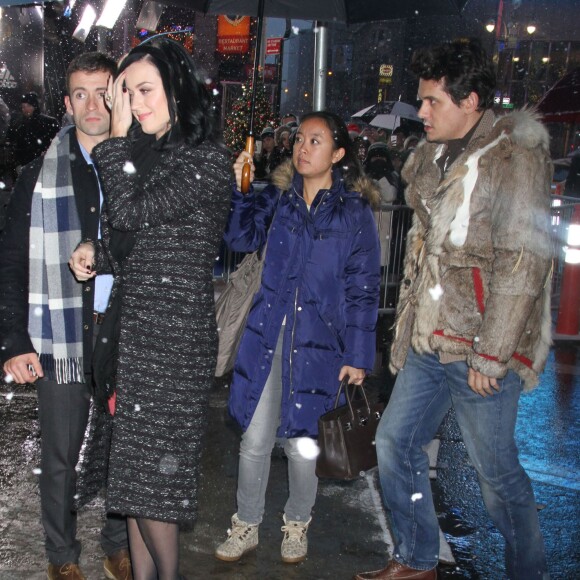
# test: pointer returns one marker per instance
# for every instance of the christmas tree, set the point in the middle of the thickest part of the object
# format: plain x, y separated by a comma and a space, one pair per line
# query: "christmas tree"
237, 123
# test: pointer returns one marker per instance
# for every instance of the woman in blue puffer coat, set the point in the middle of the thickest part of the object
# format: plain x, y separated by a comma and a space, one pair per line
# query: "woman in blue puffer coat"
312, 322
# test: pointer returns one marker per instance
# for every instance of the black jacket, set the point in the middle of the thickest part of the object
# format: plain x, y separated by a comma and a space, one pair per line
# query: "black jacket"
14, 257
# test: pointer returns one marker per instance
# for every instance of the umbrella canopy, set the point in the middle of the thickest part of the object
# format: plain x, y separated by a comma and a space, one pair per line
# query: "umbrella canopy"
389, 115
20, 2
349, 11
561, 104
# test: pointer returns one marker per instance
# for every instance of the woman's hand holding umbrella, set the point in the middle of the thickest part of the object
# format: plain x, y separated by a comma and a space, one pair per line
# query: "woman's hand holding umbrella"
244, 164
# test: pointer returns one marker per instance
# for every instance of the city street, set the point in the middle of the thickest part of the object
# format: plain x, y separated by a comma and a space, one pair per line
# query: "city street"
349, 530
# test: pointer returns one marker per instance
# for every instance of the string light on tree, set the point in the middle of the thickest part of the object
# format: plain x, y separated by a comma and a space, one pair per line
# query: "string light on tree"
237, 122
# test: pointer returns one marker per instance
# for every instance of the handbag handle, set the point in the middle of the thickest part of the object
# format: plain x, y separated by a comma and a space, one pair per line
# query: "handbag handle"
344, 384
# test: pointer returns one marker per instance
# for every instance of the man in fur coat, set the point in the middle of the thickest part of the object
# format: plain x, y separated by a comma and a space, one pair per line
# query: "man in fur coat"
473, 320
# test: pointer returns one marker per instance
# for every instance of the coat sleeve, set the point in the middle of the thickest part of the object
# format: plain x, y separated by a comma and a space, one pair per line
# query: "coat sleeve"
203, 173
14, 258
521, 264
250, 218
362, 291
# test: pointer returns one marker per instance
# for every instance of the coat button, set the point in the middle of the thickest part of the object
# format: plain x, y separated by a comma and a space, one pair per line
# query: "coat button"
407, 282
88, 289
86, 326
93, 209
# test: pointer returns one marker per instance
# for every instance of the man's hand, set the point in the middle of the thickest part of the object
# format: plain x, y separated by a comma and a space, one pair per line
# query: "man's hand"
81, 262
19, 368
356, 375
481, 384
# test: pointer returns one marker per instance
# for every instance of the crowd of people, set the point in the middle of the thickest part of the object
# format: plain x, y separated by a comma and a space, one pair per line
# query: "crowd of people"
381, 153
120, 308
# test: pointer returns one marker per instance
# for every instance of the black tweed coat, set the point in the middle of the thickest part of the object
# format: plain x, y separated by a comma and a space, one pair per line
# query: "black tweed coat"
168, 341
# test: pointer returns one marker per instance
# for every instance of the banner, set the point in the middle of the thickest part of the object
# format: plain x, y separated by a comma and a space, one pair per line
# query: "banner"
273, 45
233, 34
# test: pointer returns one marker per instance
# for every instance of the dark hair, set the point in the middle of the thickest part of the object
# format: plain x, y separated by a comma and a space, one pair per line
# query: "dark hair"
90, 62
464, 67
400, 130
378, 163
31, 99
188, 96
349, 165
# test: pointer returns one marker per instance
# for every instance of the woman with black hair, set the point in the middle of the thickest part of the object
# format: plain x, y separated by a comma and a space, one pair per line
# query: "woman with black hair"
165, 183
312, 322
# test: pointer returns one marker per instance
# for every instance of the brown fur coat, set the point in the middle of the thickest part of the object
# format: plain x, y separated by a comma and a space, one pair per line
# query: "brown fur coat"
478, 261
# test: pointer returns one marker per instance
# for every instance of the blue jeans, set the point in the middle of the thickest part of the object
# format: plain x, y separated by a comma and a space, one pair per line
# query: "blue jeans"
256, 451
424, 391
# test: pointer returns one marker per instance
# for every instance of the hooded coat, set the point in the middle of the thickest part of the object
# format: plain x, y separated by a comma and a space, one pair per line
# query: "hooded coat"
321, 274
479, 252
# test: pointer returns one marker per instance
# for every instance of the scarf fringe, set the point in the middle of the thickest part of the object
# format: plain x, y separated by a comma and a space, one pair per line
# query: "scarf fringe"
63, 370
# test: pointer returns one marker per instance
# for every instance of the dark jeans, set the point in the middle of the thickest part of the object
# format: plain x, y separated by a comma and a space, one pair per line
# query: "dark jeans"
63, 412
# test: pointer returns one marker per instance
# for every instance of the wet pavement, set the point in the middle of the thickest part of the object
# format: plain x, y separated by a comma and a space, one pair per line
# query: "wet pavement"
349, 531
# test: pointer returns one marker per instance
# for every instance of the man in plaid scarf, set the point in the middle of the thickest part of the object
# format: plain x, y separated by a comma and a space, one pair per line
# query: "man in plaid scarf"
48, 321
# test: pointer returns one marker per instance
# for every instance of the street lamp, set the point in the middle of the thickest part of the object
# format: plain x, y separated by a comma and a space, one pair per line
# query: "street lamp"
507, 33
531, 28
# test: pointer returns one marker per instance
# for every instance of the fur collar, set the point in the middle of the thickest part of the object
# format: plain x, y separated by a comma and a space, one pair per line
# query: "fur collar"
523, 128
284, 174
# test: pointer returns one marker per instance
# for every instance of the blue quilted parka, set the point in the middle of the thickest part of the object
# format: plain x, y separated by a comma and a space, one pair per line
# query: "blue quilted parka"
321, 273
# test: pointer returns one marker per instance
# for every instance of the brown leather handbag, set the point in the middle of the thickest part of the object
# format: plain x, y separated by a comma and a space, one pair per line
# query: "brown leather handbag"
346, 435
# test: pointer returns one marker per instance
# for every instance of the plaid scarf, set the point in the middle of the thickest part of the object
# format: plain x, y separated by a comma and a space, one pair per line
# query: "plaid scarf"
55, 298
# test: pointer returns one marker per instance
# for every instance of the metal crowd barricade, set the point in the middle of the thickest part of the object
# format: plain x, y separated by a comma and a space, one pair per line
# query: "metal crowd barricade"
227, 261
393, 223
561, 214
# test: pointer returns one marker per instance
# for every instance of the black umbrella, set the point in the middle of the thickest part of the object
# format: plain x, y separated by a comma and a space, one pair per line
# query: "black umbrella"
347, 11
19, 2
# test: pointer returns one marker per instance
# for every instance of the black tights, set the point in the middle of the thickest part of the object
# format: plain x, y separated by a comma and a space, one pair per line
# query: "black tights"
154, 549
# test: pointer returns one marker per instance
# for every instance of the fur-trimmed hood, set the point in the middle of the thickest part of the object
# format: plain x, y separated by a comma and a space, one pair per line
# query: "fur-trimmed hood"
283, 177
479, 251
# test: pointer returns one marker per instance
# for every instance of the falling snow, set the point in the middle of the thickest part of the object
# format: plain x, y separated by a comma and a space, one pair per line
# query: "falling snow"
307, 447
129, 168
169, 464
436, 292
